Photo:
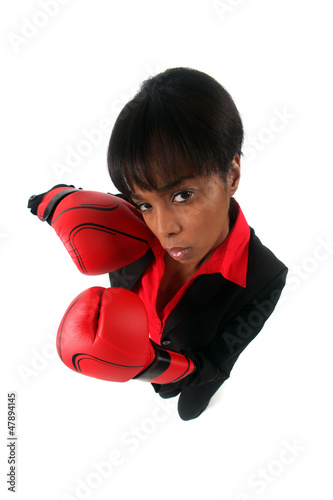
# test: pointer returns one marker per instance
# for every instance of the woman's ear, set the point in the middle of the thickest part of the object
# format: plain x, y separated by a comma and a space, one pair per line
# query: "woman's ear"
234, 175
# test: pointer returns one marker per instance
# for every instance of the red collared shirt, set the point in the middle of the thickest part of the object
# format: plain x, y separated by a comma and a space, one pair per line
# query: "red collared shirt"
230, 259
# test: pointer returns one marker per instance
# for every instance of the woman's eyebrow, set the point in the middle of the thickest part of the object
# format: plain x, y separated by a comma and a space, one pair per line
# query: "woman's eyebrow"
167, 187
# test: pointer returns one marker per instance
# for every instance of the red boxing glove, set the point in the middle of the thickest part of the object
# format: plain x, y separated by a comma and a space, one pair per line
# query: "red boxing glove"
104, 334
100, 231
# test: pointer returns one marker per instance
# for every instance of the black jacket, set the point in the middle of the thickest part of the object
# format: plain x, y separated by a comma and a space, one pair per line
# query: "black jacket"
216, 319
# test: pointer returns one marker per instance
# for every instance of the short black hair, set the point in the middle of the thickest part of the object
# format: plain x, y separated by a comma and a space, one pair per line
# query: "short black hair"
180, 121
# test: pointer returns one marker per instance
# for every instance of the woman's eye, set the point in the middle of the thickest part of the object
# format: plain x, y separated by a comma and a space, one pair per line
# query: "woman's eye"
143, 207
182, 197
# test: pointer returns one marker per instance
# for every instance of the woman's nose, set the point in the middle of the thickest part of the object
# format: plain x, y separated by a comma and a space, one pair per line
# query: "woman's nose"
166, 224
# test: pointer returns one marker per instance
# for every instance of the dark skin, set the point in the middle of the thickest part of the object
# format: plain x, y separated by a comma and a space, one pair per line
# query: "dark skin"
190, 219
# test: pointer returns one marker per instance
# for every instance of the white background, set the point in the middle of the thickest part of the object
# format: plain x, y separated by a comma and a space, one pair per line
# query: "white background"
63, 73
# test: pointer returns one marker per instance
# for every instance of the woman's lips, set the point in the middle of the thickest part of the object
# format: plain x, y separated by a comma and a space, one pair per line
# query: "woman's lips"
178, 253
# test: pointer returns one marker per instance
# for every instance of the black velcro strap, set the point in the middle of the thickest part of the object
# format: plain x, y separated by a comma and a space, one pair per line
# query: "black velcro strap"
160, 364
48, 212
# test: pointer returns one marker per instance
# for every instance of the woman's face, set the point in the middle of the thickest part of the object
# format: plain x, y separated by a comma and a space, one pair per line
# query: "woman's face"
190, 217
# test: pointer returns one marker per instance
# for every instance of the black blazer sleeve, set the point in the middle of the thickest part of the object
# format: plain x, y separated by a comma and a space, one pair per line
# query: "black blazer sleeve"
216, 360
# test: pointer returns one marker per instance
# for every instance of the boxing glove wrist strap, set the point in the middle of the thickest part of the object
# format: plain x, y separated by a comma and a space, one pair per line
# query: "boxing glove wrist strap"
49, 209
160, 364
167, 365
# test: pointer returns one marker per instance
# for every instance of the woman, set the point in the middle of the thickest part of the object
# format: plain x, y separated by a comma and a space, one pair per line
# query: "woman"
175, 236
207, 282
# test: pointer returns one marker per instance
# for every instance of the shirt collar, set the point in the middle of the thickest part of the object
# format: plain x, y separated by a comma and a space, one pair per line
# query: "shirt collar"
231, 257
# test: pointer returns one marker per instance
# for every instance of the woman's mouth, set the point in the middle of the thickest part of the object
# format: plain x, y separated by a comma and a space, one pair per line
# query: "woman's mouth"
178, 253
